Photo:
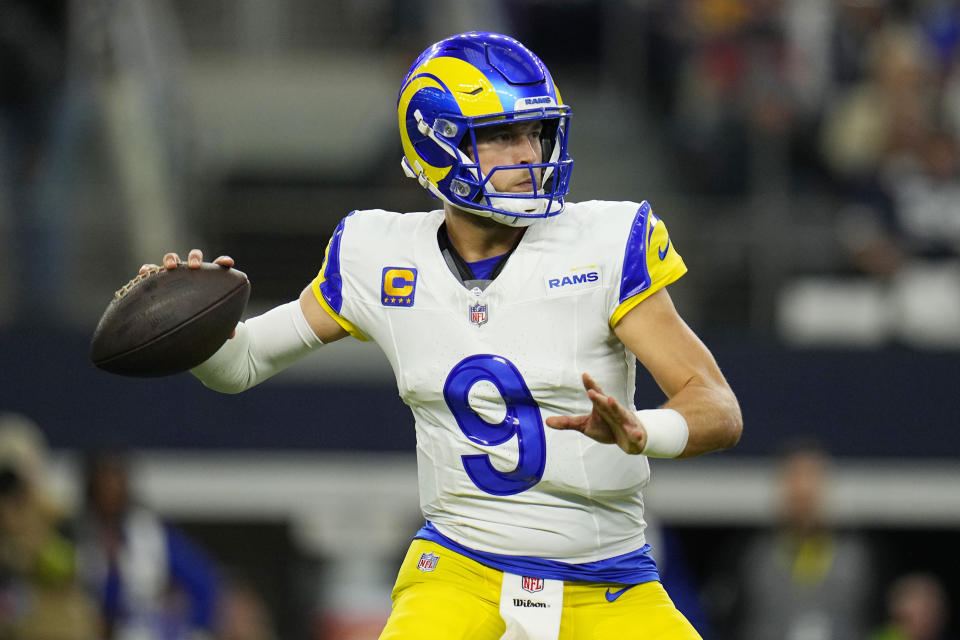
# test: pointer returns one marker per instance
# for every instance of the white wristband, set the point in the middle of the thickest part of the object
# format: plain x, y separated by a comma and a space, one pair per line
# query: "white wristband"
262, 347
667, 432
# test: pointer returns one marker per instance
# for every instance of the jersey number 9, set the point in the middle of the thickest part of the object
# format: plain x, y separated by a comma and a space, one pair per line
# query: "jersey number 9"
522, 420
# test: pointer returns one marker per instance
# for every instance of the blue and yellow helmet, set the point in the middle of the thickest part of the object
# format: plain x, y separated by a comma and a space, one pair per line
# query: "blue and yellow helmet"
473, 80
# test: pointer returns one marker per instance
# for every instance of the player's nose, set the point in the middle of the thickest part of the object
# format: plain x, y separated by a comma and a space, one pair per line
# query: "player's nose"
525, 151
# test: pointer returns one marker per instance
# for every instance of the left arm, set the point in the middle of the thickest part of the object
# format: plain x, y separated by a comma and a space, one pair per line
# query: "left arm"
686, 372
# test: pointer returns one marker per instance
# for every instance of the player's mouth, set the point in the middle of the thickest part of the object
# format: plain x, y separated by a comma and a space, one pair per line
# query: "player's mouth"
525, 185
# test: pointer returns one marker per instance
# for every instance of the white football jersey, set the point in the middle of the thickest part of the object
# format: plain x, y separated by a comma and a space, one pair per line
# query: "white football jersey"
482, 370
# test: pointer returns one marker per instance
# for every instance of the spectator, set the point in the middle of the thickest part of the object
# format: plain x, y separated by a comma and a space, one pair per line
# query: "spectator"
916, 609
909, 215
899, 165
242, 614
893, 148
152, 583
801, 580
886, 113
39, 595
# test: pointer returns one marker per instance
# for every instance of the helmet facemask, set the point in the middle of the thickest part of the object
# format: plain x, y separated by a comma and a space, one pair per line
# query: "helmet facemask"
472, 190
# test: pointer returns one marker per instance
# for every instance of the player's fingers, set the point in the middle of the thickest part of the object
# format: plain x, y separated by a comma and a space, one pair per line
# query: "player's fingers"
584, 424
619, 417
609, 411
606, 406
147, 267
599, 402
171, 260
567, 422
224, 261
194, 258
626, 429
589, 383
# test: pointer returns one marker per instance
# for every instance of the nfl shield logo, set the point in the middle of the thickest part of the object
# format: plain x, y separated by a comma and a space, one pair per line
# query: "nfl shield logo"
428, 562
478, 314
531, 584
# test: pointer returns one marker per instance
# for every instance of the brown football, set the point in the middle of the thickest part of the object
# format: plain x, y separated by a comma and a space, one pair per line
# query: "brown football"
169, 320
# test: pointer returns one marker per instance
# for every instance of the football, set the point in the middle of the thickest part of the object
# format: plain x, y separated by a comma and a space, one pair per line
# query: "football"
166, 321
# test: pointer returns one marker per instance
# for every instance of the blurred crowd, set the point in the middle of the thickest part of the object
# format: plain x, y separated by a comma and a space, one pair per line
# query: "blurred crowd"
840, 113
807, 579
111, 568
859, 98
849, 106
837, 120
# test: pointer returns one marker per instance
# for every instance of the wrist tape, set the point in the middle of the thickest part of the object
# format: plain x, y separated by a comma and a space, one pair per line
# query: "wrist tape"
667, 432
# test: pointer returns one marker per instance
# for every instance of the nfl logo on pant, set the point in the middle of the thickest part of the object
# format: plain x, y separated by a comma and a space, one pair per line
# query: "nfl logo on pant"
428, 562
531, 584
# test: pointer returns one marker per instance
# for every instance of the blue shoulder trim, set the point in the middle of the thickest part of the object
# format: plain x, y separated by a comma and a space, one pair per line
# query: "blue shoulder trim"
635, 276
635, 567
331, 285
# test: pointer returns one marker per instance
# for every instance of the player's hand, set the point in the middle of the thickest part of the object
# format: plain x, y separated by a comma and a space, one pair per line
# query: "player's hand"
609, 422
194, 258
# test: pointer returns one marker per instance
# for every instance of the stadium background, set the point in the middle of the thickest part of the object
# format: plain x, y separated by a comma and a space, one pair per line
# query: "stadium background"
251, 127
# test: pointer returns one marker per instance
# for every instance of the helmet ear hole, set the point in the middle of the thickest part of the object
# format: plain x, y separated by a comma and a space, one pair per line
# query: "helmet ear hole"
546, 148
548, 137
466, 146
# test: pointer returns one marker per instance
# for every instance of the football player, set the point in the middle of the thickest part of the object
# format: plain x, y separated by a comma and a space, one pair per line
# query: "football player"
513, 321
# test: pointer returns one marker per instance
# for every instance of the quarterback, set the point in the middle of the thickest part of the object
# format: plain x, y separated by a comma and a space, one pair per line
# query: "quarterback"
513, 321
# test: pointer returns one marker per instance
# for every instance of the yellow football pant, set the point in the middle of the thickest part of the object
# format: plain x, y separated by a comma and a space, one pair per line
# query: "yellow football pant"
460, 600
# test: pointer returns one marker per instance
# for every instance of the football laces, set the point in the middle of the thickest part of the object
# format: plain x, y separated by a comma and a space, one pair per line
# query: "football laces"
122, 291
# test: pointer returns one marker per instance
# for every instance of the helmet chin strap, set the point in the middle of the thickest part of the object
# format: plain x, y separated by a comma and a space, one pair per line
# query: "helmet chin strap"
510, 221
527, 214
502, 218
529, 206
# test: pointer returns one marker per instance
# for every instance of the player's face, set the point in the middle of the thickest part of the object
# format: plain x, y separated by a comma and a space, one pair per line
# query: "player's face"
517, 143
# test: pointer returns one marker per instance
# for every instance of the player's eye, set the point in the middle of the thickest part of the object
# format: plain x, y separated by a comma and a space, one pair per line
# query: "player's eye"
493, 137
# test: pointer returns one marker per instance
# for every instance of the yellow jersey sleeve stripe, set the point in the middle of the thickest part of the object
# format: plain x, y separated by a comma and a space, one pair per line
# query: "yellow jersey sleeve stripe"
348, 326
665, 278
